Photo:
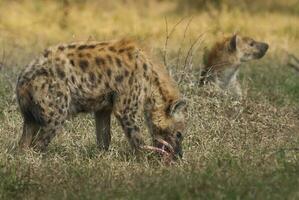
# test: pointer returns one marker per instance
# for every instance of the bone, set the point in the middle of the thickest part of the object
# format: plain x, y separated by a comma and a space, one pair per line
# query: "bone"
151, 148
165, 144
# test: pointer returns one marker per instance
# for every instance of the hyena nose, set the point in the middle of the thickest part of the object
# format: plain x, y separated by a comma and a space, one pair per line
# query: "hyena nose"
265, 47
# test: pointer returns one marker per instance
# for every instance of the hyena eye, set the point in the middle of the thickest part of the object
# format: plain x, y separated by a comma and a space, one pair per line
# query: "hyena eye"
251, 44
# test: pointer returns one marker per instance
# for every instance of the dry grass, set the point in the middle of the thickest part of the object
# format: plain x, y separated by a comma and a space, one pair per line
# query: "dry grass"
233, 150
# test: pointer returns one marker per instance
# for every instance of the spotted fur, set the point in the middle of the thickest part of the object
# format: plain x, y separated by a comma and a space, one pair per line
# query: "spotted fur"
104, 78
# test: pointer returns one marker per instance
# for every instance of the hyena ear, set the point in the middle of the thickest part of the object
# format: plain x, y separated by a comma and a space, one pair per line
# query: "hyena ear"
177, 106
233, 43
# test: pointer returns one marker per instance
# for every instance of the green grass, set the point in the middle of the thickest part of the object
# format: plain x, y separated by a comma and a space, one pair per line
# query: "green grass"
233, 150
222, 177
273, 80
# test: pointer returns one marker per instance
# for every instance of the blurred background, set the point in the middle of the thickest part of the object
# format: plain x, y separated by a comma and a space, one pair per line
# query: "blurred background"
40, 23
233, 150
29, 26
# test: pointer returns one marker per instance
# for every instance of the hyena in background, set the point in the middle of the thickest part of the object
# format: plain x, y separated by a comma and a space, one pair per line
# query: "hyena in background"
104, 78
222, 62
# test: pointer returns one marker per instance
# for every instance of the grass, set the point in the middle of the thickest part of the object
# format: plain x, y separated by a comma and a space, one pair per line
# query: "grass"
233, 150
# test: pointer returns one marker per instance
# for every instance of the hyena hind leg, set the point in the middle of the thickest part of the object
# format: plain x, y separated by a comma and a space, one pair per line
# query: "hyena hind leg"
103, 132
45, 136
30, 130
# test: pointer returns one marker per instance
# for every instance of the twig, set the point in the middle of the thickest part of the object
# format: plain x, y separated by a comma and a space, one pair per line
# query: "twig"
168, 35
191, 48
192, 53
181, 46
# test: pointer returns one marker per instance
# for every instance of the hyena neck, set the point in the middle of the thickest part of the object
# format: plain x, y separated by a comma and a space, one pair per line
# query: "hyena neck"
164, 88
228, 75
224, 65
163, 94
223, 61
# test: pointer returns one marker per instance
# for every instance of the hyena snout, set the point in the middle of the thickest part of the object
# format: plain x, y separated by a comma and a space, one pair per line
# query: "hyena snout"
262, 49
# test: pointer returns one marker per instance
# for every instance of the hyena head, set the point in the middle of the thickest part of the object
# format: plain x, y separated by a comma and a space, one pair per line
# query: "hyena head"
247, 48
169, 126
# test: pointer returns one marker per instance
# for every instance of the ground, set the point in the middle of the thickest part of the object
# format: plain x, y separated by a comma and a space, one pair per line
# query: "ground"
233, 150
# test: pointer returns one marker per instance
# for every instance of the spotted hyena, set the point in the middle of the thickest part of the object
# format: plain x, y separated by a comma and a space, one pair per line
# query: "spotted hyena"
102, 78
222, 62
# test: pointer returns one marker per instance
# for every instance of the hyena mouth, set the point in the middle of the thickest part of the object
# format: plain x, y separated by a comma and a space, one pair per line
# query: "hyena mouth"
162, 144
260, 55
163, 148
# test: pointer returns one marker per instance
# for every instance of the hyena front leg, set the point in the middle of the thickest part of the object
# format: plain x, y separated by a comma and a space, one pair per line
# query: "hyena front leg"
103, 133
126, 113
235, 89
131, 130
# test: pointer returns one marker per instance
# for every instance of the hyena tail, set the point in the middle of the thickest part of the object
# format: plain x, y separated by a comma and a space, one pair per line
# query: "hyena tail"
30, 109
